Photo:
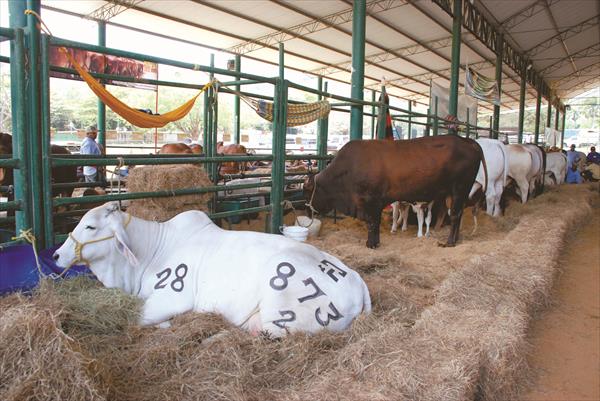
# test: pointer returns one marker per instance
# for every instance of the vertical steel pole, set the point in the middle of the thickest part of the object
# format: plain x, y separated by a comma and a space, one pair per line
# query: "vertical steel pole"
428, 123
278, 145
101, 105
373, 99
211, 146
35, 144
381, 117
455, 65
538, 109
358, 67
410, 119
522, 105
491, 135
236, 102
322, 130
46, 147
549, 115
18, 114
562, 131
556, 116
435, 117
499, 53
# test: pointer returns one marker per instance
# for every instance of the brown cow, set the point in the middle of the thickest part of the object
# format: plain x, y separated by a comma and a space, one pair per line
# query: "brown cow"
174, 148
60, 174
365, 176
232, 149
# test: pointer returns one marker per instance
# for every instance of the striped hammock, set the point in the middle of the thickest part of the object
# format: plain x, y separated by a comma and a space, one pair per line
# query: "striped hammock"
297, 114
481, 87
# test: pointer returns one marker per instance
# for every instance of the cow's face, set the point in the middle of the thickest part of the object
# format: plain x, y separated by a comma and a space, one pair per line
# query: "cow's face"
315, 195
98, 234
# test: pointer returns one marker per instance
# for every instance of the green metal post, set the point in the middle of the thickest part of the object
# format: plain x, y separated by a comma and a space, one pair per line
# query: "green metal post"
455, 65
499, 52
373, 99
381, 117
538, 109
322, 130
101, 105
492, 128
18, 114
35, 142
522, 105
278, 145
428, 124
562, 131
236, 102
468, 122
46, 147
211, 147
549, 115
205, 122
435, 117
358, 67
410, 119
556, 116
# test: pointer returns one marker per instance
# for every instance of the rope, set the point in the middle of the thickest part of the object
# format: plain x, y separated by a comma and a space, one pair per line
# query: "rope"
28, 236
43, 25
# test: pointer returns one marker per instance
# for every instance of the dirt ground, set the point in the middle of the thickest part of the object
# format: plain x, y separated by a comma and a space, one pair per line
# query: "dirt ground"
566, 337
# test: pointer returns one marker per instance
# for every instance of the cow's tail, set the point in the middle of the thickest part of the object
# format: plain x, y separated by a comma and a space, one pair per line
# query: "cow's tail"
543, 168
366, 298
505, 154
485, 172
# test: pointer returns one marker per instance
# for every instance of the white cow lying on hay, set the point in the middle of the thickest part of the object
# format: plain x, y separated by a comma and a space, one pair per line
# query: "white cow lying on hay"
556, 168
260, 282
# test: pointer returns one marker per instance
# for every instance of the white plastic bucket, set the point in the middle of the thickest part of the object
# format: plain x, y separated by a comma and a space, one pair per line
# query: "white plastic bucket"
295, 232
313, 225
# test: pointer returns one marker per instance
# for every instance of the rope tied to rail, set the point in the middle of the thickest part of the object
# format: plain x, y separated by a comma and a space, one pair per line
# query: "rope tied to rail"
28, 236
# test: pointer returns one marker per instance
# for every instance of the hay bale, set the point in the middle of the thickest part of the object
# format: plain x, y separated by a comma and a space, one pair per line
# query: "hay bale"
169, 177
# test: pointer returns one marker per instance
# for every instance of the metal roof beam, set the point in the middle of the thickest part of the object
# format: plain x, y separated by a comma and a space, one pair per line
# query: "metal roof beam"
588, 84
590, 51
111, 9
593, 68
526, 13
562, 36
314, 25
564, 45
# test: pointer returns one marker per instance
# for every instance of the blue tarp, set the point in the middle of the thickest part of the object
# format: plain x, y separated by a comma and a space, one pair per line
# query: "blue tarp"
18, 270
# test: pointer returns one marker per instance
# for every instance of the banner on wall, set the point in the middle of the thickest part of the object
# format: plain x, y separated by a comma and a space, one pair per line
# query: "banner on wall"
466, 104
481, 87
104, 64
552, 137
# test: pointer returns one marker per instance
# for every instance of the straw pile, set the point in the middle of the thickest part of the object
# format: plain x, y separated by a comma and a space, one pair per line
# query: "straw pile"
447, 324
169, 177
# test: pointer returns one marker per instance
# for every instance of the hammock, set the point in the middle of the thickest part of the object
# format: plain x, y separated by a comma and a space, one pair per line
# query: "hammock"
136, 117
297, 114
481, 87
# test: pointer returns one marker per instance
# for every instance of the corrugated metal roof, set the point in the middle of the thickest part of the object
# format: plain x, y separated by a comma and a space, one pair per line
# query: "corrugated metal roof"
408, 41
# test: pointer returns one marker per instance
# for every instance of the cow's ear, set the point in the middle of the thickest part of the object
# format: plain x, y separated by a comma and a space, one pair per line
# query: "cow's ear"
122, 239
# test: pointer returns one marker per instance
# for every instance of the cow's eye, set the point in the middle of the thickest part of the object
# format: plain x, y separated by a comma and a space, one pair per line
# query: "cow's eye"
90, 228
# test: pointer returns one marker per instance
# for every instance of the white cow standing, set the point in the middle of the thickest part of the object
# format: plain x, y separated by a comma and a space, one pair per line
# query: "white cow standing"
521, 168
260, 282
556, 167
400, 215
496, 159
536, 184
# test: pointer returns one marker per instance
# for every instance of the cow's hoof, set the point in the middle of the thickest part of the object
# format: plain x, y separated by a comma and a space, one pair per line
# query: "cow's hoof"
372, 246
393, 232
446, 245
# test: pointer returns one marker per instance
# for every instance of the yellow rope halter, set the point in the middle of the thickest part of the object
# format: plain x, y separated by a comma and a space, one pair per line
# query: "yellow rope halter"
79, 259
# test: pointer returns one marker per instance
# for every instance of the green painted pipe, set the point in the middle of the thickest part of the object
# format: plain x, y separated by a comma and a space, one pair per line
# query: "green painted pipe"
322, 132
19, 121
359, 12
12, 205
111, 160
12, 163
435, 117
455, 63
46, 147
538, 109
35, 134
549, 115
155, 194
101, 105
410, 119
522, 106
373, 111
278, 145
236, 103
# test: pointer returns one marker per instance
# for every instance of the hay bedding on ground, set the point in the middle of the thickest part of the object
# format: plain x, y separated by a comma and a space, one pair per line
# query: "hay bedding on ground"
448, 324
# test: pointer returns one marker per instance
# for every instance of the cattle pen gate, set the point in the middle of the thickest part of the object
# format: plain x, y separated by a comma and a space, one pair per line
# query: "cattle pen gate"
34, 206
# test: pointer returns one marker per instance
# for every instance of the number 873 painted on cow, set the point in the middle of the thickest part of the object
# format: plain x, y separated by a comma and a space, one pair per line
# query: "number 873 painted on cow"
260, 282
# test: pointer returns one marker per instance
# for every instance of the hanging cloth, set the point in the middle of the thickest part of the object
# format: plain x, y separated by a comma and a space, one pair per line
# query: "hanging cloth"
481, 87
297, 114
134, 116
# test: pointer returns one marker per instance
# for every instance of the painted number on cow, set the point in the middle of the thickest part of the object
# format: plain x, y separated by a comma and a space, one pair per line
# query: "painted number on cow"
332, 271
280, 281
288, 316
336, 315
177, 283
318, 292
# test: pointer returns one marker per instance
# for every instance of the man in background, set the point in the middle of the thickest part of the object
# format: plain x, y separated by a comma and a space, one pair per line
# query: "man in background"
89, 146
593, 156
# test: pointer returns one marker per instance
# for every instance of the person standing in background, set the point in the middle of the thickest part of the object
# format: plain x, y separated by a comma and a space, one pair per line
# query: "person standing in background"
89, 146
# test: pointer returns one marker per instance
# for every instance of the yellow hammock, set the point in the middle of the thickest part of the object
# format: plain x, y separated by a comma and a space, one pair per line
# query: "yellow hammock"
134, 116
